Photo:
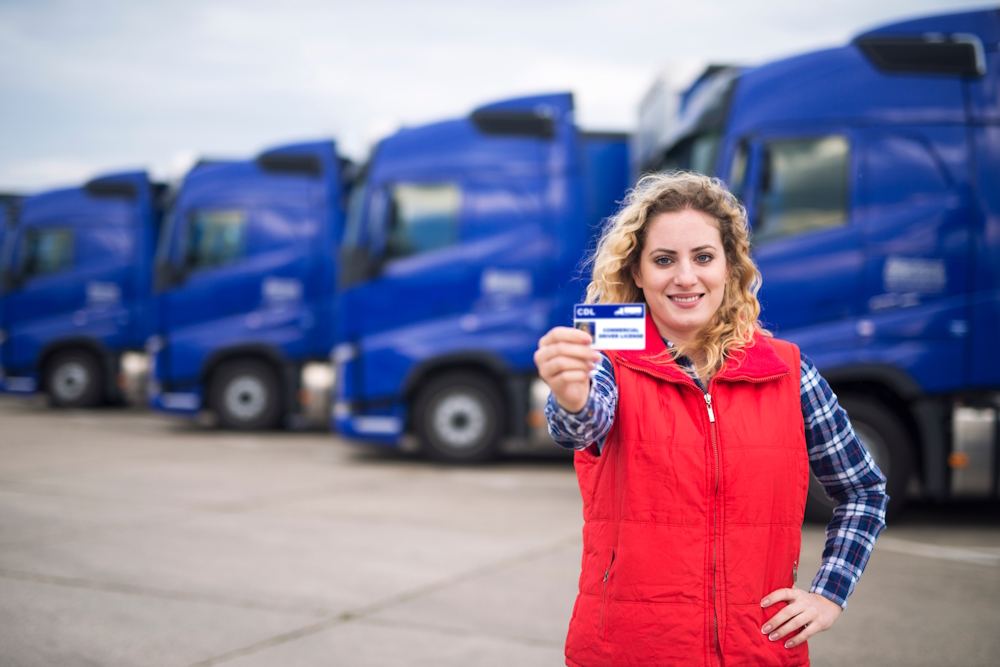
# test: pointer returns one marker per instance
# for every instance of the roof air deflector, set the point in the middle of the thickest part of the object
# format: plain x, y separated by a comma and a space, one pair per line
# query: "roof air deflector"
514, 123
291, 163
111, 188
953, 55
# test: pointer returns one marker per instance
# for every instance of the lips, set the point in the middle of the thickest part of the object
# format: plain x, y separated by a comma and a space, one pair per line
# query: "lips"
685, 298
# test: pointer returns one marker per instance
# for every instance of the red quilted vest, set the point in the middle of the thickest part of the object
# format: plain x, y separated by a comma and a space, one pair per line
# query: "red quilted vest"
692, 515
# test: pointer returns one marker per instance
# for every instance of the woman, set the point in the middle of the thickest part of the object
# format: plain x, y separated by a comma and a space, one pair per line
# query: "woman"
693, 455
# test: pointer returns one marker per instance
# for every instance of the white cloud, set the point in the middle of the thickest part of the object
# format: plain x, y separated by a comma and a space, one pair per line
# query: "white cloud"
108, 82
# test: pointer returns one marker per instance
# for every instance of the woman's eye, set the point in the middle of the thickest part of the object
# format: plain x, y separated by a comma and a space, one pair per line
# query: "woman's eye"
662, 261
704, 259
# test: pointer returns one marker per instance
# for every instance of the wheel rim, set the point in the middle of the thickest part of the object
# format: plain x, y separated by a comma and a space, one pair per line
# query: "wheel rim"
245, 397
460, 421
70, 381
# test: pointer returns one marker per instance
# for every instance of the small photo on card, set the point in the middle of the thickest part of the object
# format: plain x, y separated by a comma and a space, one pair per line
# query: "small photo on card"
619, 326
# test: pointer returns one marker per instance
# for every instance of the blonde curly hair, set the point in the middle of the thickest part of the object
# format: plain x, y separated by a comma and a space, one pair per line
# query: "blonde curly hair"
624, 235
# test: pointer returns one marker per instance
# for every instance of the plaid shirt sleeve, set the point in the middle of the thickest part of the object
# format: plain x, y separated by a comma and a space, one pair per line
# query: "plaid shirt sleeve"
848, 475
591, 425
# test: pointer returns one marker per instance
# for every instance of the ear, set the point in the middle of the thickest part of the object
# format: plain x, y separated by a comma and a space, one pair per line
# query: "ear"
636, 275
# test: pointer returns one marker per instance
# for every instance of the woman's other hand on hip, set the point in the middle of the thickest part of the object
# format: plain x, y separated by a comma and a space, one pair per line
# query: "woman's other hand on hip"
564, 361
808, 612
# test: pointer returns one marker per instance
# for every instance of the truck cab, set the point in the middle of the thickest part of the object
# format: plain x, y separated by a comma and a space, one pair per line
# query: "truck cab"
867, 171
76, 276
245, 277
463, 246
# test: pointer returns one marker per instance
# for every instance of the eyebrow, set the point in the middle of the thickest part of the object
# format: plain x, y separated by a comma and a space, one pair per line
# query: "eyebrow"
674, 252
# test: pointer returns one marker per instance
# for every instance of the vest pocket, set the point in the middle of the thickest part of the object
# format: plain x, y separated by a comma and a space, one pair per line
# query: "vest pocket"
604, 595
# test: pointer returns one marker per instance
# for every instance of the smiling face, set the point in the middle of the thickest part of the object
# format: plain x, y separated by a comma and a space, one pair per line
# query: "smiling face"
682, 273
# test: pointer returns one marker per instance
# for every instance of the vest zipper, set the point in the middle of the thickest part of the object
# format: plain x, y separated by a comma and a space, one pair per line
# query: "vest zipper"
715, 493
604, 600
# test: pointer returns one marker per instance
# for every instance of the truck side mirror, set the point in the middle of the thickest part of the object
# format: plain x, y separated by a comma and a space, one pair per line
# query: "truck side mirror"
167, 276
357, 266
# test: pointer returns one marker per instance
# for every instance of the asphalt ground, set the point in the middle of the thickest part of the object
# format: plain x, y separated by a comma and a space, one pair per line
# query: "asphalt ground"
127, 538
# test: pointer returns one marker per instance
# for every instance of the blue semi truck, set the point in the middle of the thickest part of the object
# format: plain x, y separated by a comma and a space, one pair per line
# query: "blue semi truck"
244, 286
870, 175
75, 280
463, 246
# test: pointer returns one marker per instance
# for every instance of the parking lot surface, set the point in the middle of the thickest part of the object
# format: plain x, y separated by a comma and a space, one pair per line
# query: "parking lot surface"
130, 539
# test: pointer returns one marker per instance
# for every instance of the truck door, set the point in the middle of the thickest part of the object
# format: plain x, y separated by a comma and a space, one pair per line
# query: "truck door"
37, 297
209, 276
917, 228
801, 193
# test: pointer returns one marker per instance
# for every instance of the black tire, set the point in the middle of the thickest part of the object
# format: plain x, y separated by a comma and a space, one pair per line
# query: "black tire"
457, 417
73, 379
889, 443
245, 395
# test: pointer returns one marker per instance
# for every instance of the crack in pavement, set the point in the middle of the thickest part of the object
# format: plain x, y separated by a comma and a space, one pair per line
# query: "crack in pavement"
164, 594
393, 601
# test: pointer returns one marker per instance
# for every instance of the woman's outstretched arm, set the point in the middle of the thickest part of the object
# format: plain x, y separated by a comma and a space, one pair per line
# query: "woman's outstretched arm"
584, 396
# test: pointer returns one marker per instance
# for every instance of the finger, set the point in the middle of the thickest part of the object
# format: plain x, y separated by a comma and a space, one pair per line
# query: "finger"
808, 630
773, 626
794, 624
567, 334
558, 365
566, 378
573, 351
779, 595
568, 349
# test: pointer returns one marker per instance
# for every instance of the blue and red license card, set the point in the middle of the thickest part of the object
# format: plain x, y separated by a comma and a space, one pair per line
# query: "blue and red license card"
613, 326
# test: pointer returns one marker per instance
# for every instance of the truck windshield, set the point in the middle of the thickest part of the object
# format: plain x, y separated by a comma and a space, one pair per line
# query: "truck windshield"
692, 136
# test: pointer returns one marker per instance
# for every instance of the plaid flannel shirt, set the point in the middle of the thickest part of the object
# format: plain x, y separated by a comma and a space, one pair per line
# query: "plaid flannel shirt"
836, 456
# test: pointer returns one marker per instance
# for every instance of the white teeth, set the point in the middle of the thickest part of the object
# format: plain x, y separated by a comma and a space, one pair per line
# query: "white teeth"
686, 299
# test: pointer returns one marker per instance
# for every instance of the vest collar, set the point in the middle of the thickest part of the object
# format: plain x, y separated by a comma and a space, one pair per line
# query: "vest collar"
756, 363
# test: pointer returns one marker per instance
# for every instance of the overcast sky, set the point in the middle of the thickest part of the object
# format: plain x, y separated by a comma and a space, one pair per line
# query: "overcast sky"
101, 85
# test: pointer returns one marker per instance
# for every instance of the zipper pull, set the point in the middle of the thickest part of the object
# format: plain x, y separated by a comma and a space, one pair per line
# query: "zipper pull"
708, 402
795, 571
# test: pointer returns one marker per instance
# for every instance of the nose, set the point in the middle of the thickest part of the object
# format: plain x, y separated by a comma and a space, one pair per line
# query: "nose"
685, 276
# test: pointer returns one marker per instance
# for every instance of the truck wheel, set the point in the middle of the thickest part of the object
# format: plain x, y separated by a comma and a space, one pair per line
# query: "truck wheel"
457, 418
890, 446
245, 396
73, 379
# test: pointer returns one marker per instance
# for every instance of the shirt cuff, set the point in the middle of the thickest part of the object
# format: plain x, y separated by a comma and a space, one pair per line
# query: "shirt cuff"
834, 583
572, 418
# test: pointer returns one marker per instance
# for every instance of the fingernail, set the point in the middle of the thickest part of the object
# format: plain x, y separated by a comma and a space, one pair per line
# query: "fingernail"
766, 629
773, 636
788, 644
765, 602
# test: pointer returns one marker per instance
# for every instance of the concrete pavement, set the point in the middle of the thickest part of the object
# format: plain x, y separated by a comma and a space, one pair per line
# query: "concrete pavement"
131, 539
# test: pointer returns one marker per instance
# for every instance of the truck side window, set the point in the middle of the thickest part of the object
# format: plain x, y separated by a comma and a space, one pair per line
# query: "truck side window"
803, 186
422, 218
214, 238
46, 251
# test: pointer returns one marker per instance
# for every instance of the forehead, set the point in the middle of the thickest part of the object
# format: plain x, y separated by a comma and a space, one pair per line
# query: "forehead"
678, 230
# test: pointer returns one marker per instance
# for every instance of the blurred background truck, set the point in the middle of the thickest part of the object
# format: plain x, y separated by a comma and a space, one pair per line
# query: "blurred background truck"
463, 245
76, 299
870, 175
245, 280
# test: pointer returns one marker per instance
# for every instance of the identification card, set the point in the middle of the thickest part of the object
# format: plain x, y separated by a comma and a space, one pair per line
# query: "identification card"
615, 326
